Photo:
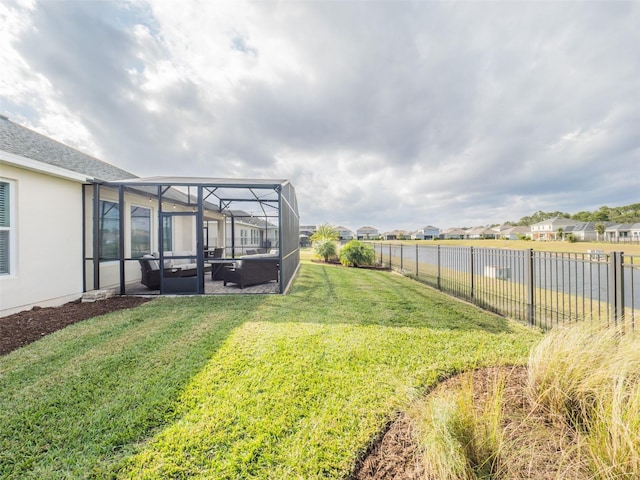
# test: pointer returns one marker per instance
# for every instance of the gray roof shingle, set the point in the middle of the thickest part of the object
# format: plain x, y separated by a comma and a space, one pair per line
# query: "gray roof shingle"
22, 141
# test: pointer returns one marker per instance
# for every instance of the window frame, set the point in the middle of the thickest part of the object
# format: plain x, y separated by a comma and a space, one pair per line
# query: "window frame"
10, 228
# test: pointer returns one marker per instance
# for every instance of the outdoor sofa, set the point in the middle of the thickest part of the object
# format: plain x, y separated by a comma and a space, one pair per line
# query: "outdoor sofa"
252, 270
174, 267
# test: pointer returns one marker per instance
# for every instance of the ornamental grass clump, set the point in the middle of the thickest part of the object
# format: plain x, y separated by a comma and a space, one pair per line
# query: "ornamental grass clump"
589, 378
461, 438
355, 254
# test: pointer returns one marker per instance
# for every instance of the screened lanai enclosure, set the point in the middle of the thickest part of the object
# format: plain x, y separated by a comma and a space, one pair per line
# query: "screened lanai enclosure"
181, 235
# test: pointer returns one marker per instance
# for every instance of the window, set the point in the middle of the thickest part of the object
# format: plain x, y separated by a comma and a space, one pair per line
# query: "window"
140, 231
6, 233
243, 236
109, 230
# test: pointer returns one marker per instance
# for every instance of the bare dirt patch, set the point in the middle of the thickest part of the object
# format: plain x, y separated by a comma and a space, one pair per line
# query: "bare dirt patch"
534, 443
25, 327
393, 456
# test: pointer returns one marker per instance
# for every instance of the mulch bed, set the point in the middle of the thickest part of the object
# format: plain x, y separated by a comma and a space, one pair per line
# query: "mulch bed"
393, 456
25, 327
336, 262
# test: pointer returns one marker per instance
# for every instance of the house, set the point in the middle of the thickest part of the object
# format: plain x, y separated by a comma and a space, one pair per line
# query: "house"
344, 234
453, 234
622, 232
71, 223
41, 241
551, 228
305, 234
395, 235
480, 233
250, 233
426, 233
583, 231
307, 230
509, 232
367, 233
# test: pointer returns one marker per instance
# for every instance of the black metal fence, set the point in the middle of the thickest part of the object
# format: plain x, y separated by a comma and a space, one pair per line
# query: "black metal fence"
540, 288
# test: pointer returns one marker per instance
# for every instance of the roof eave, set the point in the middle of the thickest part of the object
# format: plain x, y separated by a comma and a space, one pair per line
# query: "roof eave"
43, 168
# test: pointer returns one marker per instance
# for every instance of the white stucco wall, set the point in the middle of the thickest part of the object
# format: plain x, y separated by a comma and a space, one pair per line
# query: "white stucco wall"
48, 229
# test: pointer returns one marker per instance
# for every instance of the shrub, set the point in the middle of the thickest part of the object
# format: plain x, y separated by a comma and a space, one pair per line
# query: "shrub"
356, 253
325, 249
571, 238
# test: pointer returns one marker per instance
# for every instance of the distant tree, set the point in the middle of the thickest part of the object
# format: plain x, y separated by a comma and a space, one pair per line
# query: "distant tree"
324, 232
601, 215
561, 233
600, 228
624, 214
540, 216
582, 216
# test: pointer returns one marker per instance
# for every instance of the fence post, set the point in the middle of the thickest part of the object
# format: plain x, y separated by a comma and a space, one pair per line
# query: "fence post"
616, 282
416, 260
472, 272
401, 258
528, 285
390, 262
438, 277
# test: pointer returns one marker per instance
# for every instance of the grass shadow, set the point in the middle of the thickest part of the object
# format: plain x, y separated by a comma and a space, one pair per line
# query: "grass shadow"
91, 391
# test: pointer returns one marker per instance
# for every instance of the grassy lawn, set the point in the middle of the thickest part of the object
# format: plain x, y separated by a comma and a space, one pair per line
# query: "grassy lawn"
242, 387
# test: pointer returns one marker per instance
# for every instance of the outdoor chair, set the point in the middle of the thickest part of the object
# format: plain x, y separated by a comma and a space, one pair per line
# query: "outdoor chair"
150, 269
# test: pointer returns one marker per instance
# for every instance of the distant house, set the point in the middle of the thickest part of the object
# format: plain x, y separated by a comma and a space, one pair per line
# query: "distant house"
453, 234
395, 235
550, 229
622, 232
583, 231
509, 232
426, 233
480, 233
308, 229
344, 233
367, 233
305, 234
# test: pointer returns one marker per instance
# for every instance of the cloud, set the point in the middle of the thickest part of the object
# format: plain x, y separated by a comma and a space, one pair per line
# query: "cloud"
389, 114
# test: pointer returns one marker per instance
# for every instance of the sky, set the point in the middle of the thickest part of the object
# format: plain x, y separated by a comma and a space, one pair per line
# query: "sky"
391, 114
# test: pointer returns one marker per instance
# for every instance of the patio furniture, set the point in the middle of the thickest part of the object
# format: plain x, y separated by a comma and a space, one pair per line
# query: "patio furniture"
252, 270
214, 253
150, 269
